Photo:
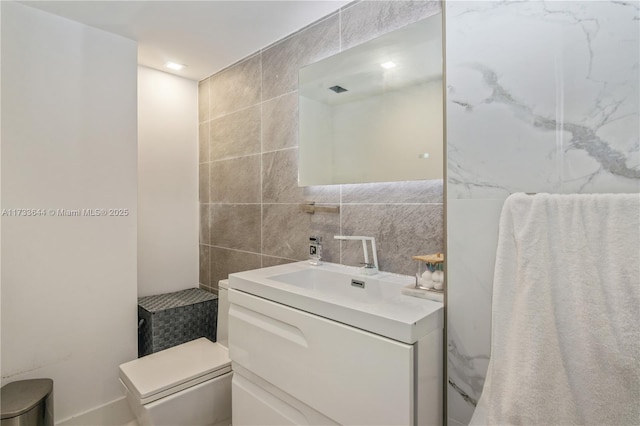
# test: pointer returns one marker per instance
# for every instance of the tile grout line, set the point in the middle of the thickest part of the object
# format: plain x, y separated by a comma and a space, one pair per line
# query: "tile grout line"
252, 252
280, 257
209, 260
209, 209
231, 203
261, 161
235, 249
392, 204
235, 111
325, 203
280, 149
211, 221
321, 203
235, 158
340, 224
201, 202
279, 96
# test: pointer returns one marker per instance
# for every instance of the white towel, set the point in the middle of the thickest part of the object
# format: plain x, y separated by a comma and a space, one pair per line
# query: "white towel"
565, 340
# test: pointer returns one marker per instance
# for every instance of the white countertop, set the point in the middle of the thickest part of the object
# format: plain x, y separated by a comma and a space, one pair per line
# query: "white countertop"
326, 290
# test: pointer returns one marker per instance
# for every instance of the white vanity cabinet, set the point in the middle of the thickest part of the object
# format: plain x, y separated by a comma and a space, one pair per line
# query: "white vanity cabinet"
294, 367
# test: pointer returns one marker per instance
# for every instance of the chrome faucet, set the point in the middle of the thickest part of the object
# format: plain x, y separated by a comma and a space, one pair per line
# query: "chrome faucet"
368, 268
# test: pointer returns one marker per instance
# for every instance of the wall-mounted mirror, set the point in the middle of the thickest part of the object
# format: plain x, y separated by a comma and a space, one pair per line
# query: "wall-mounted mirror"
374, 113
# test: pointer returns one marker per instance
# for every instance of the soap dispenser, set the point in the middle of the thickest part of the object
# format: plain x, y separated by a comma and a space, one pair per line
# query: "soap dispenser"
315, 250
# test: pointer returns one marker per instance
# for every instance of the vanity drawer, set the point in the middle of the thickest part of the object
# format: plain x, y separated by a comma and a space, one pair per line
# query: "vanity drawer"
349, 375
256, 403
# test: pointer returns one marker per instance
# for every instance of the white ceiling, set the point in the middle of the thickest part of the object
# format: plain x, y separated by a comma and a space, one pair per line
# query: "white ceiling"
205, 35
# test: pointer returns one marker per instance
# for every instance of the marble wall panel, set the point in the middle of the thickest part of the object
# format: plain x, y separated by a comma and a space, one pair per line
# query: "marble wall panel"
541, 97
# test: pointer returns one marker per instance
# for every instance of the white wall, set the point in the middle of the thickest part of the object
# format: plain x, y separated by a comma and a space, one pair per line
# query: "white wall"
68, 142
167, 182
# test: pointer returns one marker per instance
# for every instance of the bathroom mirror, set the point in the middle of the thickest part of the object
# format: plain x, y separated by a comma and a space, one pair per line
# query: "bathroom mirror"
374, 113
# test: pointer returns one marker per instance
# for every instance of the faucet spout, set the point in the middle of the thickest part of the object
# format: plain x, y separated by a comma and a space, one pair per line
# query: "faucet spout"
368, 266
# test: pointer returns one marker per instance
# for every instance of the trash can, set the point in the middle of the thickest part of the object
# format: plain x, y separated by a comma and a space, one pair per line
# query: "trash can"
27, 403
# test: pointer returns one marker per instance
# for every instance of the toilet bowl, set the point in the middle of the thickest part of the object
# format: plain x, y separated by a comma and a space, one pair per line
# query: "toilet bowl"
188, 384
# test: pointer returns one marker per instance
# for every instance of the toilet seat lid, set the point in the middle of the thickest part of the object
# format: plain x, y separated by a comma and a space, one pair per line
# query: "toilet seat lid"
173, 367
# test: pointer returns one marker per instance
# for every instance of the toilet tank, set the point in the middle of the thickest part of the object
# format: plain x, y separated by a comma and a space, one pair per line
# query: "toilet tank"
222, 332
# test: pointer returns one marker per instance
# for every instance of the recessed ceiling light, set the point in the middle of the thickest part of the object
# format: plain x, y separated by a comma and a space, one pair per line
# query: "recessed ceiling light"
388, 65
174, 66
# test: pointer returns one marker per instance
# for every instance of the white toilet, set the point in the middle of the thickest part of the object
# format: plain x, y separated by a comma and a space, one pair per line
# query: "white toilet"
189, 384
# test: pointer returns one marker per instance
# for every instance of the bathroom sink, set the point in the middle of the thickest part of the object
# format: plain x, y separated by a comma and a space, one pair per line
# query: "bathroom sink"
338, 285
370, 302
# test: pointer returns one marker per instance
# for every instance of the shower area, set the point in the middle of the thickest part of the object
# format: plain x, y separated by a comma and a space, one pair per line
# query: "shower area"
541, 97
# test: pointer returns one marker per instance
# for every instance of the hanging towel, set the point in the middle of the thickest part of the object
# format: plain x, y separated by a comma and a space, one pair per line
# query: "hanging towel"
565, 339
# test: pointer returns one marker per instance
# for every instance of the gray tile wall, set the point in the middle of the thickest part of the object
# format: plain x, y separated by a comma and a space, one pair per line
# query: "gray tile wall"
249, 196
